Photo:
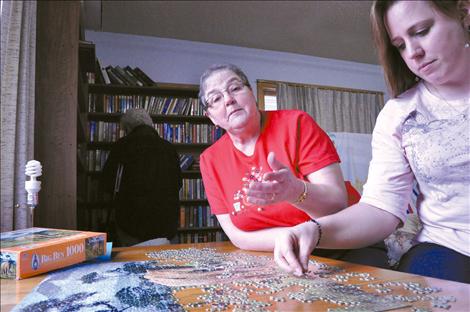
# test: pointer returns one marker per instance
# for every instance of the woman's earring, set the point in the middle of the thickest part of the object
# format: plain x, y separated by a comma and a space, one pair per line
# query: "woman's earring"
467, 45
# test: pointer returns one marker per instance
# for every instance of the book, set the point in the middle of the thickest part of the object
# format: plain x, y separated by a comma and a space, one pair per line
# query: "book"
105, 76
118, 74
143, 76
129, 72
124, 76
113, 77
28, 252
99, 74
142, 81
186, 160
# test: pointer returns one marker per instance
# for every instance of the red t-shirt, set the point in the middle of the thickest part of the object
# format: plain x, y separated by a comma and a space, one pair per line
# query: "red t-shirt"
298, 142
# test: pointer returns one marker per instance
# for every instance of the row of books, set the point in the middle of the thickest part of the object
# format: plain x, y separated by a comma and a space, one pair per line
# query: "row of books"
188, 132
196, 217
96, 159
158, 105
174, 106
124, 76
202, 237
192, 189
102, 131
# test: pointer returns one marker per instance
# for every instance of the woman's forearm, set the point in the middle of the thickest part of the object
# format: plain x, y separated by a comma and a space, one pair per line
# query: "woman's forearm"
260, 240
322, 194
357, 226
322, 200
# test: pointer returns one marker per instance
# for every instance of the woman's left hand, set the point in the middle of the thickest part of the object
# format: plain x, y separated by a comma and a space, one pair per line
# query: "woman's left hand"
277, 186
294, 245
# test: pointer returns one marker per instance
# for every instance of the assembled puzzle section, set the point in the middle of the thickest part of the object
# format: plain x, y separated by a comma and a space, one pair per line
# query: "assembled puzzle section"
33, 251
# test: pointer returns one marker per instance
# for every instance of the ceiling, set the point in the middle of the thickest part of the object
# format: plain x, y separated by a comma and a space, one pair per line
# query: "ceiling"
331, 29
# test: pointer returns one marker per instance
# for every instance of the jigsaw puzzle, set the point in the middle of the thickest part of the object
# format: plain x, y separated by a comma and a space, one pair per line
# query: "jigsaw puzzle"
207, 280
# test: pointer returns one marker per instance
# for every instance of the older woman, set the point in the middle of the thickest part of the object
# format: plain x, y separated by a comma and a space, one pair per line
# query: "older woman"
422, 134
270, 170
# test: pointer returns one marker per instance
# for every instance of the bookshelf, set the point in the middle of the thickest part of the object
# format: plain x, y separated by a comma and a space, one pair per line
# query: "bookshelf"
87, 61
179, 119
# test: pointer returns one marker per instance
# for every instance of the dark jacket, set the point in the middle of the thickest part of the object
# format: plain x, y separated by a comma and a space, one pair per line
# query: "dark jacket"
147, 204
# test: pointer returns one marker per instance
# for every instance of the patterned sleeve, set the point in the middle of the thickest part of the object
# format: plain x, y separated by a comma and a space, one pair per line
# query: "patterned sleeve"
390, 179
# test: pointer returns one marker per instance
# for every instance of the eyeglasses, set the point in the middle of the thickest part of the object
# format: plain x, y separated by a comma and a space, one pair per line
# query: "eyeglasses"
216, 98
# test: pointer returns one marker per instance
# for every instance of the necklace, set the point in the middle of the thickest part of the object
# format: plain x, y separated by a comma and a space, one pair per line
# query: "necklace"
436, 93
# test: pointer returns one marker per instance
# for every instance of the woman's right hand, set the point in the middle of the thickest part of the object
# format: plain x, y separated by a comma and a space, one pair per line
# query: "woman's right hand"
294, 245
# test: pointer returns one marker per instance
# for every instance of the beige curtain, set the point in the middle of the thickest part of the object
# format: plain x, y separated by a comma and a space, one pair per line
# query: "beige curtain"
333, 110
18, 42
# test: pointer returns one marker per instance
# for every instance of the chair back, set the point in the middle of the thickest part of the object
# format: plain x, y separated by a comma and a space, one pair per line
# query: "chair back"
353, 194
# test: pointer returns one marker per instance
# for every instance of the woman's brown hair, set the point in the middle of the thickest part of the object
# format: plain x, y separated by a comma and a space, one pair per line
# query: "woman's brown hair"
398, 76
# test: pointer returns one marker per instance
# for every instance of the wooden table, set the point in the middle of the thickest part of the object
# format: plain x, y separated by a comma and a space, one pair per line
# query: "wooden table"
12, 291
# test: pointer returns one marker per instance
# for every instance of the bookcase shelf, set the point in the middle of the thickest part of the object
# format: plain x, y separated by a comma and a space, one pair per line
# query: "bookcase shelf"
114, 117
205, 229
81, 166
99, 205
86, 61
193, 201
82, 92
163, 89
87, 56
81, 135
180, 146
82, 126
184, 173
191, 174
184, 126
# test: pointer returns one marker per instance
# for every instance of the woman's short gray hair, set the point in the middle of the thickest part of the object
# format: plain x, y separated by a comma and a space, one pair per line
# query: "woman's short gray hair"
135, 117
215, 68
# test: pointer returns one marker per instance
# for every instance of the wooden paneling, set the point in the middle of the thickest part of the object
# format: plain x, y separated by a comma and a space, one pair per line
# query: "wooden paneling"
56, 111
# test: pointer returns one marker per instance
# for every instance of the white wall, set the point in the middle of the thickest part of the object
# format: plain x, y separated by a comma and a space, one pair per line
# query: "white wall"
180, 61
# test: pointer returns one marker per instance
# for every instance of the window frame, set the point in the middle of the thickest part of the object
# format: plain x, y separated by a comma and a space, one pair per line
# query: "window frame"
263, 88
